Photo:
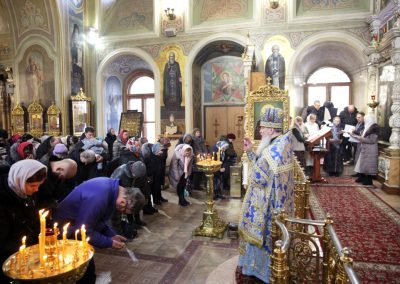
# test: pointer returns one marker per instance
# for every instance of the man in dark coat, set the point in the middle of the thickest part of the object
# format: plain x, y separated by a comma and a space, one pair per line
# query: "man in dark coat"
333, 162
132, 174
318, 111
347, 116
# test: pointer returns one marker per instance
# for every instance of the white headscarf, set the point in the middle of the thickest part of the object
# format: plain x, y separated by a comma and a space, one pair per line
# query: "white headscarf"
368, 121
186, 160
20, 172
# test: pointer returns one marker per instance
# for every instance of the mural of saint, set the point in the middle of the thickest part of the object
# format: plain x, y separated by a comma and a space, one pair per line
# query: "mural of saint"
275, 68
34, 75
172, 89
114, 100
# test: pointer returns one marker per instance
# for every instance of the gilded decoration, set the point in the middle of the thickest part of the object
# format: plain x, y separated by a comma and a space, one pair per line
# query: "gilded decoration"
53, 120
81, 96
80, 111
35, 111
18, 123
267, 95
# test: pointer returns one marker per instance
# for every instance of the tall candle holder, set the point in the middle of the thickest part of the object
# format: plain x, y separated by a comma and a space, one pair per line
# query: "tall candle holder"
212, 225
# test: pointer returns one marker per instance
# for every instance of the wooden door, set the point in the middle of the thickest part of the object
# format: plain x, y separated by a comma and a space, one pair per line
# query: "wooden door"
223, 120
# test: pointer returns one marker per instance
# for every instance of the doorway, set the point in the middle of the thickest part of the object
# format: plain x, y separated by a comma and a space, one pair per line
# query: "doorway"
221, 120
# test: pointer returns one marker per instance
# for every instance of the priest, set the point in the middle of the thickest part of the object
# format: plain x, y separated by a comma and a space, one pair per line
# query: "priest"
271, 184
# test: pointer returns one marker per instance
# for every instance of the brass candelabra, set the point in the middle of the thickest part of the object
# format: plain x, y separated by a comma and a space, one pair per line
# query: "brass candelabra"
65, 261
212, 225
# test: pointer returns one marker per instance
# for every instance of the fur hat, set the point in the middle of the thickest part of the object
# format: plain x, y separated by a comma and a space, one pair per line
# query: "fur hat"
231, 136
271, 117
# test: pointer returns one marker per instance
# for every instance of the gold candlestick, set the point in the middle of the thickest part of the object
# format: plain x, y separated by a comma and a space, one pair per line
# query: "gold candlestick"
212, 225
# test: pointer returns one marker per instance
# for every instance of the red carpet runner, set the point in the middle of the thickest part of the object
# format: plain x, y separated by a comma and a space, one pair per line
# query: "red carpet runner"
365, 224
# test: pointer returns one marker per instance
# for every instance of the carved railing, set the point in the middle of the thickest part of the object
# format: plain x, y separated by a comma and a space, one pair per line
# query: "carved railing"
301, 192
308, 251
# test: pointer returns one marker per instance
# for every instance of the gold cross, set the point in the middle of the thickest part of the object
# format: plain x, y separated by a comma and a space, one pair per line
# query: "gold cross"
269, 80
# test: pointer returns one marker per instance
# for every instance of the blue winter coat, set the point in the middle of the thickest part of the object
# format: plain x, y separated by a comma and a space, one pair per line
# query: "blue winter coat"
91, 203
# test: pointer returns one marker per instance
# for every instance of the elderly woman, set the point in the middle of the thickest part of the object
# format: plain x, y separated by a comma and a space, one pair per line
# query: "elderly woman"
180, 169
18, 211
367, 163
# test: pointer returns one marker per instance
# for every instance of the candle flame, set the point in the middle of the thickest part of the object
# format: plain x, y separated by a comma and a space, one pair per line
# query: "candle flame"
83, 227
41, 212
44, 215
65, 228
23, 240
87, 239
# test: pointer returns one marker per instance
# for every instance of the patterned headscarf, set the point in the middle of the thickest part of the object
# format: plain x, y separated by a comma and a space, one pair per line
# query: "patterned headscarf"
20, 172
185, 160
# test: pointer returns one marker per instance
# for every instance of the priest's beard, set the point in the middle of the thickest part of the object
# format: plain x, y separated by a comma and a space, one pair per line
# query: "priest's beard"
263, 144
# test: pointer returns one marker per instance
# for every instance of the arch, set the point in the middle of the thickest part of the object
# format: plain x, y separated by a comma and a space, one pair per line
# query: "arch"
354, 44
240, 39
45, 43
100, 120
321, 37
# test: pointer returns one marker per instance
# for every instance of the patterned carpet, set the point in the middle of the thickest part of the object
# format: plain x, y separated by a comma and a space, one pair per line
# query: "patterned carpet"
365, 224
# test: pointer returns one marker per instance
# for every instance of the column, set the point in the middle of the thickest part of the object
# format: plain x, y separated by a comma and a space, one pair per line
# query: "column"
392, 153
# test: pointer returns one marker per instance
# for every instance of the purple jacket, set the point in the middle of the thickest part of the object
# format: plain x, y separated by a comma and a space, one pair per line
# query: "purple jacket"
91, 203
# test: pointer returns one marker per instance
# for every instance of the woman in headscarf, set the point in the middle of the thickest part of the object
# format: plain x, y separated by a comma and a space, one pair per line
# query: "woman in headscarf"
120, 143
18, 207
312, 128
367, 163
180, 169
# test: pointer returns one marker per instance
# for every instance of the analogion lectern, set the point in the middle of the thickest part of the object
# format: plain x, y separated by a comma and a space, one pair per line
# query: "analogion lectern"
318, 149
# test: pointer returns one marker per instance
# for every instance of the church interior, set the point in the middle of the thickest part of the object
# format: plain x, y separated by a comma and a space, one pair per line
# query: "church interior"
163, 68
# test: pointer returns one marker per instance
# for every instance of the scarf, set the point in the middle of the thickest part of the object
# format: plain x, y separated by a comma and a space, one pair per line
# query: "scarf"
186, 160
20, 172
121, 135
369, 120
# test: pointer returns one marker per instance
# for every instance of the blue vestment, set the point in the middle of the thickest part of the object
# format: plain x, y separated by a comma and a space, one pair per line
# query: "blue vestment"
271, 187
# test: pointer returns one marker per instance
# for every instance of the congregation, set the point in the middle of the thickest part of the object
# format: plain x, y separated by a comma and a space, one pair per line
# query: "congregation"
59, 174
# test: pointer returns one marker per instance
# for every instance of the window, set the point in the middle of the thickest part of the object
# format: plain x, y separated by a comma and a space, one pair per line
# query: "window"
329, 84
140, 97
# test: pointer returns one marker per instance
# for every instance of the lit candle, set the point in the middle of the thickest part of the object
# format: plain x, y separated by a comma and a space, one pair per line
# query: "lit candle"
76, 235
83, 235
23, 240
42, 237
44, 259
65, 231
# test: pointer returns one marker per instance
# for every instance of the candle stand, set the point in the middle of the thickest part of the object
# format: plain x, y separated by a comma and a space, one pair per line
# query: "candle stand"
64, 262
212, 225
